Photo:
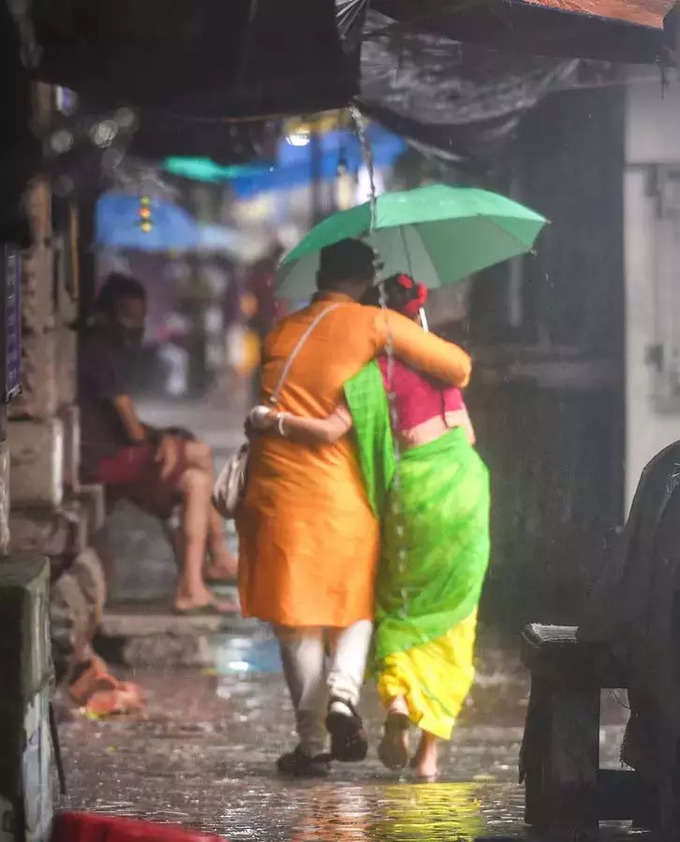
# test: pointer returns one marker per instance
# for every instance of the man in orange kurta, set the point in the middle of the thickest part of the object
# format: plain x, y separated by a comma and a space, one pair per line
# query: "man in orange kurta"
308, 539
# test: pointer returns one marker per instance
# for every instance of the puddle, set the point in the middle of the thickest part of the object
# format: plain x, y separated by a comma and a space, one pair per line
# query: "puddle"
203, 754
257, 654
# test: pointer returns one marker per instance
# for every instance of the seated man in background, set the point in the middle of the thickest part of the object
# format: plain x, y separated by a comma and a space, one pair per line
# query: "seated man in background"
156, 469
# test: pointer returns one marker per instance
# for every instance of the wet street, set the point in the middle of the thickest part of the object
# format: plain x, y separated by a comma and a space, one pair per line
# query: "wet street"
203, 755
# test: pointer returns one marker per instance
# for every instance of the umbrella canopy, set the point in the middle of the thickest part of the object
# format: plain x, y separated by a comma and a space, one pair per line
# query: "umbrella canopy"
438, 234
117, 222
205, 169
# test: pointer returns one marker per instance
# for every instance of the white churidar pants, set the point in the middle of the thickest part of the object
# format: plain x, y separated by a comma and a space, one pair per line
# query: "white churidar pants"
320, 662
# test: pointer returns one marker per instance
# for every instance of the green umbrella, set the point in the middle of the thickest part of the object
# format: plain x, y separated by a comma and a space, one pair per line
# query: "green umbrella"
437, 234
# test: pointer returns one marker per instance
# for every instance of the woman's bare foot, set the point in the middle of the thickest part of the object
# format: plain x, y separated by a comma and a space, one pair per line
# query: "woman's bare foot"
393, 748
202, 600
425, 760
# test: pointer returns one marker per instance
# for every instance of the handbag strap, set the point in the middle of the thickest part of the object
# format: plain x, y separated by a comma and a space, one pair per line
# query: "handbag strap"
296, 350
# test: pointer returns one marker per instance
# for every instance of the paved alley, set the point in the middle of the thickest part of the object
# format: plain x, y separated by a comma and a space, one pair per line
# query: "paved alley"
203, 755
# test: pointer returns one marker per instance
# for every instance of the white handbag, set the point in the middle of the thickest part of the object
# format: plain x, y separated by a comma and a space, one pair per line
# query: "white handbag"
230, 485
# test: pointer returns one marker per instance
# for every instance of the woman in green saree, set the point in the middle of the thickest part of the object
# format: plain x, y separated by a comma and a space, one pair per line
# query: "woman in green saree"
433, 502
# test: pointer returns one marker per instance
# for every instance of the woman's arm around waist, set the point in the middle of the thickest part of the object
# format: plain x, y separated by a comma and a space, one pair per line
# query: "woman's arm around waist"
300, 429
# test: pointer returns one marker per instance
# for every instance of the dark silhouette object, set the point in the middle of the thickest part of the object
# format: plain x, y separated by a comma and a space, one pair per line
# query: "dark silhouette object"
630, 639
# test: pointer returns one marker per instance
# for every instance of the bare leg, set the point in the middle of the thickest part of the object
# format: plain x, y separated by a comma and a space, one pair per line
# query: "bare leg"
426, 758
196, 487
197, 454
223, 563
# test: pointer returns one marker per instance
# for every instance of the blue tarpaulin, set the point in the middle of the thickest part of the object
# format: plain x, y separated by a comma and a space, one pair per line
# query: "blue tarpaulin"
295, 165
117, 223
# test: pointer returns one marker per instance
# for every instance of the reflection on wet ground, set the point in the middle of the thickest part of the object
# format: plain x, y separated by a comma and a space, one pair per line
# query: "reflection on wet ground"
203, 755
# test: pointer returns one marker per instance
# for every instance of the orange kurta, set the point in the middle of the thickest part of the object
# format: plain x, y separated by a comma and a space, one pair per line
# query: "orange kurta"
308, 540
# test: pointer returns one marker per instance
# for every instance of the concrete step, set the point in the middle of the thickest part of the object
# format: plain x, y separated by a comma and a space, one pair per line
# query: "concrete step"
142, 619
151, 634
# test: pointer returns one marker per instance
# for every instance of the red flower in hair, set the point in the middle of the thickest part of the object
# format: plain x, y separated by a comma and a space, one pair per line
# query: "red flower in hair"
405, 281
415, 304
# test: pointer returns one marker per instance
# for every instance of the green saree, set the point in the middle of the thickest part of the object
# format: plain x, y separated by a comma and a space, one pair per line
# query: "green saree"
434, 510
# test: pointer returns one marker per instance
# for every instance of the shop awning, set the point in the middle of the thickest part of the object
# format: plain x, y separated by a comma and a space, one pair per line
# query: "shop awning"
206, 61
641, 12
612, 30
19, 150
437, 71
463, 101
247, 60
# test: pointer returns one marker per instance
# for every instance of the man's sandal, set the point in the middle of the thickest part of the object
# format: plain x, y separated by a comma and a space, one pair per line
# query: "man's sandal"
349, 743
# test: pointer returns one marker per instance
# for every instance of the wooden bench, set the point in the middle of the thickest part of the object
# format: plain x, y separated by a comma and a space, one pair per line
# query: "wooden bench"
560, 752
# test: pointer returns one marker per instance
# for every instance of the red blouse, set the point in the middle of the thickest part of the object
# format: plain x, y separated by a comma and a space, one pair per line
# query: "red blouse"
417, 398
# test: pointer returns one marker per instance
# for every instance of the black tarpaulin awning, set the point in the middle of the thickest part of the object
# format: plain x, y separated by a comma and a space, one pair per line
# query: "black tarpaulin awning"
19, 150
462, 101
204, 77
611, 30
455, 75
211, 59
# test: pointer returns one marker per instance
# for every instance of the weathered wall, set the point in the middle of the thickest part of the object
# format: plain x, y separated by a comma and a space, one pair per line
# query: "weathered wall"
653, 121
41, 427
51, 513
652, 256
25, 747
548, 402
4, 483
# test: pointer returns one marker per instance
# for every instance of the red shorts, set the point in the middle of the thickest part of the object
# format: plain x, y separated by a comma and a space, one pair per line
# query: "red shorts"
133, 473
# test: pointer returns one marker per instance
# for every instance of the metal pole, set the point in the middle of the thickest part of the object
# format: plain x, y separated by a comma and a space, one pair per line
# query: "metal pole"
315, 175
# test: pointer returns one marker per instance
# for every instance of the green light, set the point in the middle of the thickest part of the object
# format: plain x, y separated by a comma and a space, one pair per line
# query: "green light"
205, 169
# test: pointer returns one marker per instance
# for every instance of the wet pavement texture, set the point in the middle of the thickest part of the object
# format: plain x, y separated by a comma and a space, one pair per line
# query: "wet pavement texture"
203, 755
